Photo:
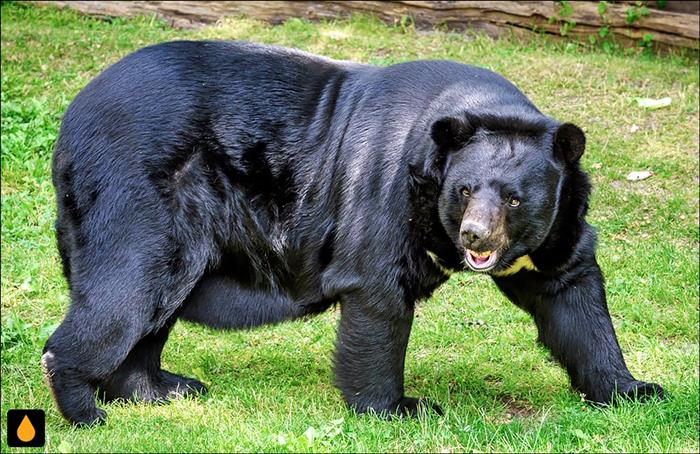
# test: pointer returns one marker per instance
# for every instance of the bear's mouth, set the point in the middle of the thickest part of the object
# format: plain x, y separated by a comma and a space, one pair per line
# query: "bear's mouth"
481, 261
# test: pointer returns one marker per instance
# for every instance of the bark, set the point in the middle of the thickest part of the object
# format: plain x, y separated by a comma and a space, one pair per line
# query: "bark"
669, 29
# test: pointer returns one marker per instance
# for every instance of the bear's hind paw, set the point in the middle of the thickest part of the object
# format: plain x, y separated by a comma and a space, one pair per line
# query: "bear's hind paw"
171, 386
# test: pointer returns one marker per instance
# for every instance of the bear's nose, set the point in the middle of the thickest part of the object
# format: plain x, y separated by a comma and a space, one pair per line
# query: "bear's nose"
473, 232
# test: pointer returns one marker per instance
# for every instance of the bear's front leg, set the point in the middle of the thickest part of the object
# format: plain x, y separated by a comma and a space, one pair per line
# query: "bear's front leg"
573, 321
369, 359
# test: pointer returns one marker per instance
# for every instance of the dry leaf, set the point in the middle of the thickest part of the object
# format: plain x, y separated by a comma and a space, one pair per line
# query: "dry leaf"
639, 175
649, 103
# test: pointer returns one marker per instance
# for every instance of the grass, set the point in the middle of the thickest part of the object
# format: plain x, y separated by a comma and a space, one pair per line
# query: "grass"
270, 389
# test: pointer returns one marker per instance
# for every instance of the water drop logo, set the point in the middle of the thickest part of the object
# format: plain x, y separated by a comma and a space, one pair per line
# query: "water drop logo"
25, 428
25, 431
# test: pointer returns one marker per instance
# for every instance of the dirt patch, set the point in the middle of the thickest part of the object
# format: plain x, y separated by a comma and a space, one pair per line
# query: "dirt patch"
516, 409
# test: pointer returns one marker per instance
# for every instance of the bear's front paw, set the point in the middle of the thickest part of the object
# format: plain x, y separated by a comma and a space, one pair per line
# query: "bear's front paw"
642, 391
634, 390
405, 407
411, 407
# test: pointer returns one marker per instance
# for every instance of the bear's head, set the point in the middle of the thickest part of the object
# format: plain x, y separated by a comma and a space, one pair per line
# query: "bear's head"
505, 186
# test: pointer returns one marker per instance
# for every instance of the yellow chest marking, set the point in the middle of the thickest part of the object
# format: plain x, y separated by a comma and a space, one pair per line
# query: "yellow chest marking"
524, 262
436, 260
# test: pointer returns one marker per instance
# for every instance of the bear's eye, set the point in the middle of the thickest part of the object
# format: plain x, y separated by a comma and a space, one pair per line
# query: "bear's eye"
514, 202
466, 192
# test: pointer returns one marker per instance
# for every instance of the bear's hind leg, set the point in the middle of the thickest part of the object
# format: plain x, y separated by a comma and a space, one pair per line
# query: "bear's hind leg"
84, 349
110, 314
141, 378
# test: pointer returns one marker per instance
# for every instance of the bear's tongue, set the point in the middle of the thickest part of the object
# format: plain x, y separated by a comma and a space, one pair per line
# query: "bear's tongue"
480, 260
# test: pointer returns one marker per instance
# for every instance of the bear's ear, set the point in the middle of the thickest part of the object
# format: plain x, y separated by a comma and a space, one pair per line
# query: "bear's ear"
569, 143
451, 133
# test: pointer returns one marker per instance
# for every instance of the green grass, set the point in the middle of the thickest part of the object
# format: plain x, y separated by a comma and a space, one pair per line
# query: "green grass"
270, 389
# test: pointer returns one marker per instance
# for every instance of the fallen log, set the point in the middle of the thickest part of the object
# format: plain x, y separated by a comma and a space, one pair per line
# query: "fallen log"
578, 20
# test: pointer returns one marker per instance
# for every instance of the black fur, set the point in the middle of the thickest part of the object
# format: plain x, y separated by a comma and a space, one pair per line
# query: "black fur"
237, 185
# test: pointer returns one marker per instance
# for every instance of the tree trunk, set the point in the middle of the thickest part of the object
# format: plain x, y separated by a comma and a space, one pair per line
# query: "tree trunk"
667, 28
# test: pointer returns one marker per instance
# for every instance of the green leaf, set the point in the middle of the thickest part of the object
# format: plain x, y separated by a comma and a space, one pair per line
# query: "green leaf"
578, 433
47, 330
64, 446
602, 8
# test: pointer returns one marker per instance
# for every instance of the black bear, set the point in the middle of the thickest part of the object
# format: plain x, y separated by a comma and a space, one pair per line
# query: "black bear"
236, 185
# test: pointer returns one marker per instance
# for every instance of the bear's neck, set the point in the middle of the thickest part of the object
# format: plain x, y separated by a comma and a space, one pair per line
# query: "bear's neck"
558, 249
